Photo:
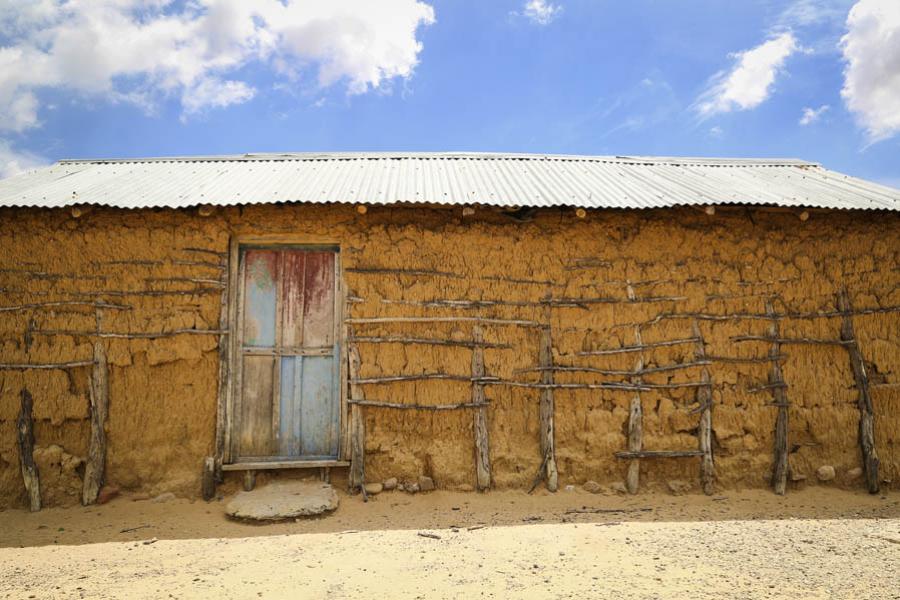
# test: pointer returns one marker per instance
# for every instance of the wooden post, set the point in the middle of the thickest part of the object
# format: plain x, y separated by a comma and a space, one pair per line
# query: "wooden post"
357, 426
222, 394
548, 446
482, 446
30, 473
208, 479
779, 396
864, 400
635, 422
249, 480
704, 430
95, 467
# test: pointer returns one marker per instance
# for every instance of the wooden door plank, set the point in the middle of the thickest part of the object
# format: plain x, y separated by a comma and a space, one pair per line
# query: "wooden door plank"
260, 274
318, 299
256, 406
292, 284
318, 431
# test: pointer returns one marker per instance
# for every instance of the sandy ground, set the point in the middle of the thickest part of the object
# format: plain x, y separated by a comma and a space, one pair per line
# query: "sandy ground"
815, 543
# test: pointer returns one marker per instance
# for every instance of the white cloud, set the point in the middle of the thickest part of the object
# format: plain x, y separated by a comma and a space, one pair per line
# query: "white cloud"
541, 11
749, 83
716, 132
871, 50
13, 162
142, 51
811, 115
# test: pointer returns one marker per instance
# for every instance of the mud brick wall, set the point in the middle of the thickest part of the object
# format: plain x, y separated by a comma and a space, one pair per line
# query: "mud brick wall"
152, 276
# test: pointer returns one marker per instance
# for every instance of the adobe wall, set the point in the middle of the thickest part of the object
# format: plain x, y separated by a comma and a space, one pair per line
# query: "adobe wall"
166, 267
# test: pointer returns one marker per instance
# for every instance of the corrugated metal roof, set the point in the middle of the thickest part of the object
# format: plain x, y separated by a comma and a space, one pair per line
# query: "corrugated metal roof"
505, 180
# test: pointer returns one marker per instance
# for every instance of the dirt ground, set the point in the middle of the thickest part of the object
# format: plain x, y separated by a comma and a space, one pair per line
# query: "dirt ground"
813, 543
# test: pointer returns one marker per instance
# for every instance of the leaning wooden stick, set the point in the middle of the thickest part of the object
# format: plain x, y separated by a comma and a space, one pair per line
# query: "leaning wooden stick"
864, 400
704, 431
779, 398
30, 473
635, 422
548, 445
482, 441
357, 428
95, 467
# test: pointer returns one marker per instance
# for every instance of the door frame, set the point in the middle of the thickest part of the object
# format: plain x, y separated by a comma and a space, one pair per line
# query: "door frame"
232, 369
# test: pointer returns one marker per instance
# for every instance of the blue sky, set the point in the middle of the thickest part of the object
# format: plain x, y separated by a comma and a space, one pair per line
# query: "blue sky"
707, 78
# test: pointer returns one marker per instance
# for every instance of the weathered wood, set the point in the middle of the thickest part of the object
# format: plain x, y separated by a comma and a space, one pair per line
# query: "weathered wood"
637, 348
424, 341
27, 366
249, 480
623, 372
659, 454
57, 304
761, 316
208, 478
484, 320
131, 336
224, 381
482, 441
275, 463
414, 406
779, 397
864, 400
626, 387
25, 431
635, 423
704, 430
357, 426
548, 442
95, 466
419, 377
784, 340
748, 359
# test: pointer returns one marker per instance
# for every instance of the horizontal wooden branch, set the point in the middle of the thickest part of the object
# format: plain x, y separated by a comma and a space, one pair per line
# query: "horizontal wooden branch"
421, 377
388, 271
782, 340
830, 314
554, 302
154, 335
748, 359
128, 293
51, 305
214, 282
659, 454
205, 251
28, 366
639, 347
404, 406
425, 341
623, 372
768, 386
372, 320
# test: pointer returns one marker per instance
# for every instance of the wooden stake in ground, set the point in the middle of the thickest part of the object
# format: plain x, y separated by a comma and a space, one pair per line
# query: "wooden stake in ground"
779, 396
30, 474
635, 423
482, 446
548, 447
95, 466
357, 426
864, 400
704, 431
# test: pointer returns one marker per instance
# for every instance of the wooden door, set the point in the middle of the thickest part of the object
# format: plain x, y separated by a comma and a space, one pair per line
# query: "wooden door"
289, 401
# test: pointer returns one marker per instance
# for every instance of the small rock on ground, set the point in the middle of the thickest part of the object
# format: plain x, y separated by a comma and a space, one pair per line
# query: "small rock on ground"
374, 488
592, 486
390, 484
825, 473
426, 484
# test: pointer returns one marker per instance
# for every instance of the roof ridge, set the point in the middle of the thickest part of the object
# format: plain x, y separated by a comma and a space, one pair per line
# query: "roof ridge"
338, 156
